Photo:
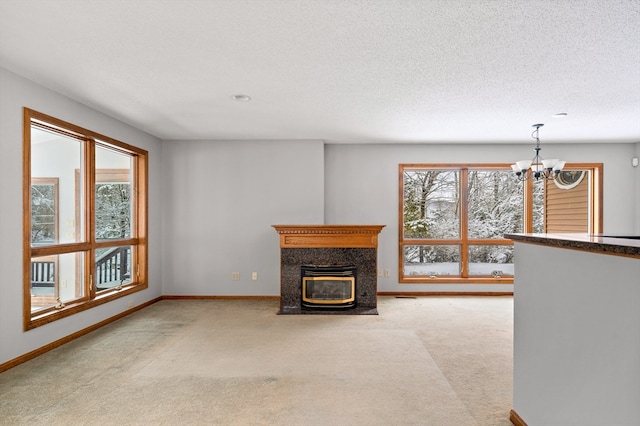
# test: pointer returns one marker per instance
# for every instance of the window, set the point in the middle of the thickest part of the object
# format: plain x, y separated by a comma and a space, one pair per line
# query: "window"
85, 220
44, 211
453, 218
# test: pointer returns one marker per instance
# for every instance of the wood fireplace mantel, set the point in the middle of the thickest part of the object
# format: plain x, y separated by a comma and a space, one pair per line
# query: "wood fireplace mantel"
328, 236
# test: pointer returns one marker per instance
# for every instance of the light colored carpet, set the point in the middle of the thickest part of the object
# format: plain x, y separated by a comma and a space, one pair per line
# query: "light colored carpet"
422, 361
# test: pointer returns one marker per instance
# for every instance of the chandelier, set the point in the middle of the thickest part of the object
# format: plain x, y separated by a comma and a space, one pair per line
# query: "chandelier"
537, 168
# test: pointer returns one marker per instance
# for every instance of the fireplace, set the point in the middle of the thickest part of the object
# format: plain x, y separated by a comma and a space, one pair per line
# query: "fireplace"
328, 286
330, 246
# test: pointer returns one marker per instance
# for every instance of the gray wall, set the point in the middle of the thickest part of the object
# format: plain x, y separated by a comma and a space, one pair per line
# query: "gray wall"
220, 200
361, 186
16, 93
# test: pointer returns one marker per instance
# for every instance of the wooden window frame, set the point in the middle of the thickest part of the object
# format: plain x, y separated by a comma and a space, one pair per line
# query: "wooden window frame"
88, 244
595, 226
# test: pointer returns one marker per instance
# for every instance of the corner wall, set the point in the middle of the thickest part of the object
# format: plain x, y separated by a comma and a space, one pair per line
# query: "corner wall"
17, 93
576, 355
637, 191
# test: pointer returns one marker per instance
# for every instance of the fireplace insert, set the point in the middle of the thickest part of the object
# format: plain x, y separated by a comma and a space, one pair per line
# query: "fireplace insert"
328, 286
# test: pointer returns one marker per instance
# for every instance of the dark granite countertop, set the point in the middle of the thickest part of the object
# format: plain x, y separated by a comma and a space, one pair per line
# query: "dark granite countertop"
623, 245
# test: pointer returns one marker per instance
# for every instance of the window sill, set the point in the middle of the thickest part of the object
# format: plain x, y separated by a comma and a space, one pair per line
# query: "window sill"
43, 318
455, 280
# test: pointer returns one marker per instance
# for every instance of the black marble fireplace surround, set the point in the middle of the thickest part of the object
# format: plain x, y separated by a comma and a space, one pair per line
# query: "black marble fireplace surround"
364, 259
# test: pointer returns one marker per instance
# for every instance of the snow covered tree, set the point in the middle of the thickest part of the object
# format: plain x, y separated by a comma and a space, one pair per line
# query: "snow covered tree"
43, 214
113, 211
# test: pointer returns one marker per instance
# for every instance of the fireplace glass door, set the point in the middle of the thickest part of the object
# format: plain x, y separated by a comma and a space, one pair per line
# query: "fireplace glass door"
328, 287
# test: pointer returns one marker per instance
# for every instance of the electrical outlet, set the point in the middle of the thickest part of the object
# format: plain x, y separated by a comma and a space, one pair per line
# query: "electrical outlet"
254, 276
130, 304
63, 283
379, 272
387, 273
235, 276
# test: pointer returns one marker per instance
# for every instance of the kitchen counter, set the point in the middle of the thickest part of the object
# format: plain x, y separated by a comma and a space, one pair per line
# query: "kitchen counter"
576, 356
623, 245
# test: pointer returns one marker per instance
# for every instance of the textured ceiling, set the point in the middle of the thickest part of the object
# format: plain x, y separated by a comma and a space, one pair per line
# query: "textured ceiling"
344, 70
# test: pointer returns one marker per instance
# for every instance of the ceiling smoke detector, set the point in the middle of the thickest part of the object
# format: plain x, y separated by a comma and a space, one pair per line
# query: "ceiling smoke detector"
241, 98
